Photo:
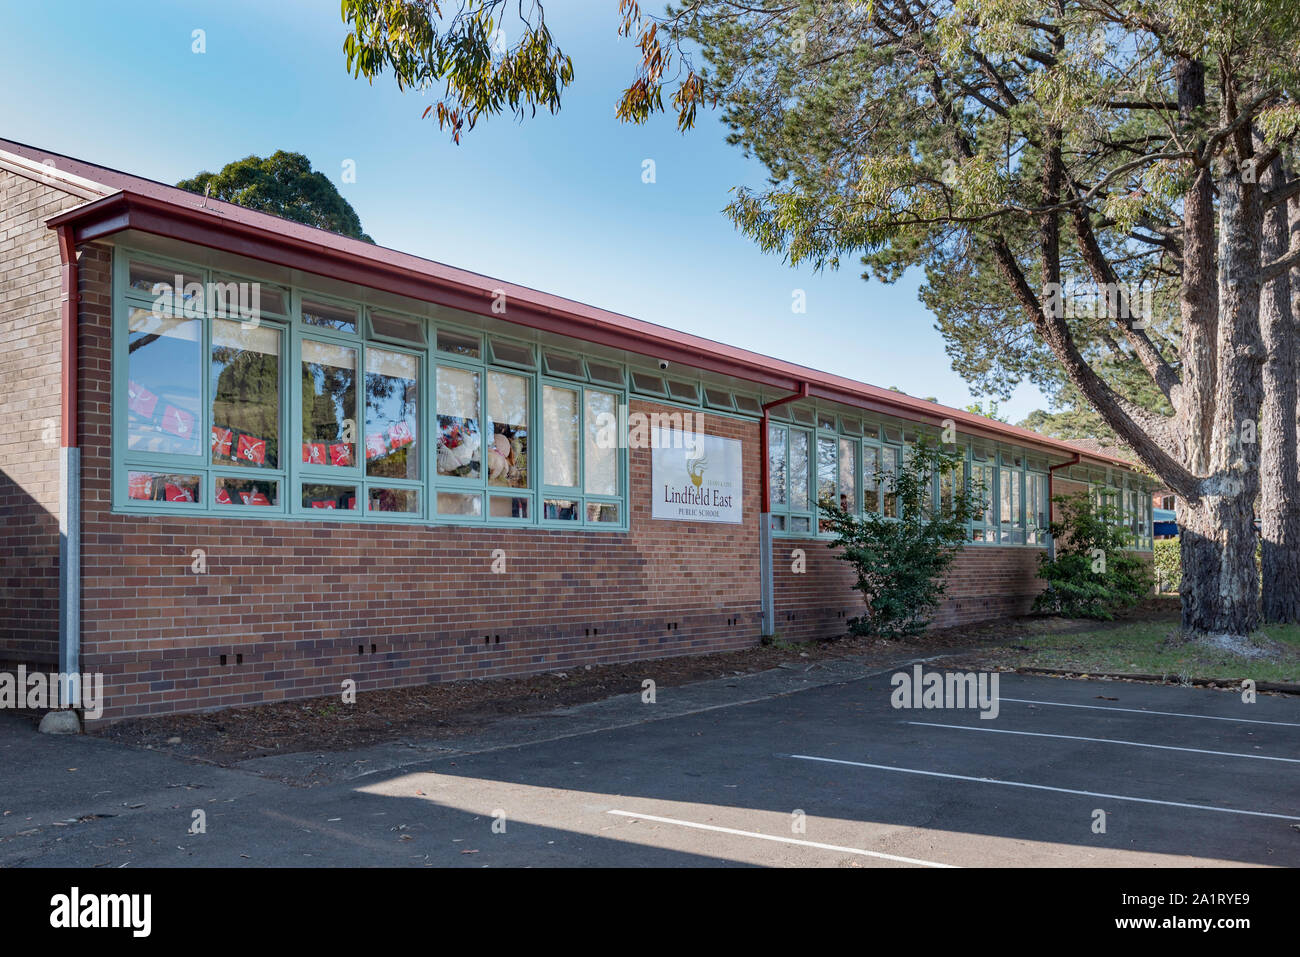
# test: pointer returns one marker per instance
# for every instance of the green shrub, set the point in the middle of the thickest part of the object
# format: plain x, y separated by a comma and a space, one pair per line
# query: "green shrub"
1092, 574
1168, 564
901, 562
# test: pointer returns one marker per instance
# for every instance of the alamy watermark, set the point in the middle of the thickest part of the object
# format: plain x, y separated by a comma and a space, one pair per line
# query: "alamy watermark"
939, 690
53, 691
1132, 302
193, 300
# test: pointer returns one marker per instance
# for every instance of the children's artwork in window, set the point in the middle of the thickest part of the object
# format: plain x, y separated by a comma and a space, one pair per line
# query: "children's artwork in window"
245, 382
392, 414
459, 439
162, 487
329, 403
507, 456
164, 386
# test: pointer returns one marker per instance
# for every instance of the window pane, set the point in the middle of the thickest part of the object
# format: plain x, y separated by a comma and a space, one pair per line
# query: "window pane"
800, 523
459, 441
507, 458
162, 487
601, 461
405, 500
848, 475
799, 471
392, 414
776, 442
563, 509
456, 503
164, 383
144, 277
508, 506
342, 497
329, 404
827, 470
512, 352
870, 487
560, 411
459, 344
397, 327
342, 318
890, 462
602, 512
245, 395
242, 491
562, 364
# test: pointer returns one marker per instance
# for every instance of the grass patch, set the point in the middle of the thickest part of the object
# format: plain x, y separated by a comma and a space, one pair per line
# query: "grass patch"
1156, 647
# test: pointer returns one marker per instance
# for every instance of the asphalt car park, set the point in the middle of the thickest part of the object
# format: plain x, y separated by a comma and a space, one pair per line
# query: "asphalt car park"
1070, 773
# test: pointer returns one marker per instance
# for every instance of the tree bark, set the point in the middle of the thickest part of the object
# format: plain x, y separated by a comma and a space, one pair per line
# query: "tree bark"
1279, 509
1224, 597
1195, 397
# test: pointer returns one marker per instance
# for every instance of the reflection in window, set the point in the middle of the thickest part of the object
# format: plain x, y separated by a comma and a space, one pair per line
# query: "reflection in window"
507, 408
889, 467
164, 383
405, 500
799, 471
459, 439
870, 486
848, 475
601, 444
392, 414
246, 491
560, 414
329, 404
776, 441
327, 316
326, 497
827, 470
245, 373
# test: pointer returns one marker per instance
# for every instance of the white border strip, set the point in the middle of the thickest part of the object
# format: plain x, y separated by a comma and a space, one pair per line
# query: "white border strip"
1134, 744
1044, 787
780, 840
1170, 714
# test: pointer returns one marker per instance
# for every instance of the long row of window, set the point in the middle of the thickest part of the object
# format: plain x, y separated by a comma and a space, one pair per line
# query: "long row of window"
251, 398
307, 403
822, 462
815, 464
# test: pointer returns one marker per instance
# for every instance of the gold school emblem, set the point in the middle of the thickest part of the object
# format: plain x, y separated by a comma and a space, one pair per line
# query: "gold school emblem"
695, 469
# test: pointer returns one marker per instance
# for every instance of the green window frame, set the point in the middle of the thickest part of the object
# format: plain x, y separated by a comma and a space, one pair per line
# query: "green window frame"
394, 408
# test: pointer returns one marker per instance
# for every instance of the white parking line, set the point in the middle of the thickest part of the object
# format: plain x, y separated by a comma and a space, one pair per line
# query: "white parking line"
1044, 787
1169, 714
1073, 737
780, 840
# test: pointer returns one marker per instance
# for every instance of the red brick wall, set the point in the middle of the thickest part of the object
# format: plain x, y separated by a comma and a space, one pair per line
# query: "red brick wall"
297, 599
30, 338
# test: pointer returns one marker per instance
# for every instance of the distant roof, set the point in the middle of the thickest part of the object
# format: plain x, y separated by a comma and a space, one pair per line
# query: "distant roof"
117, 201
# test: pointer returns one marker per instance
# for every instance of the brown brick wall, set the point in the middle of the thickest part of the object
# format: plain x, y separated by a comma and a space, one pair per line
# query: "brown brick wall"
30, 338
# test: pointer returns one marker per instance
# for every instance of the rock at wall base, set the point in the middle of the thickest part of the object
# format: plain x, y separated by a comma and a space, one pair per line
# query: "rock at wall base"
60, 722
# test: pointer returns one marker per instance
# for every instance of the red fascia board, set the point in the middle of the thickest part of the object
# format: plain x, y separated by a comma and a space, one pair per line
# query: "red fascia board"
353, 261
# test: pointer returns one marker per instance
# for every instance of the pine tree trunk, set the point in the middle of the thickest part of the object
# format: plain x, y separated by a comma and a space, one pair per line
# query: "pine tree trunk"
1279, 509
1220, 586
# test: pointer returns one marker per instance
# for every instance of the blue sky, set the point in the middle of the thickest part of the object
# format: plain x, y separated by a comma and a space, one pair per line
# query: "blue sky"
555, 202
